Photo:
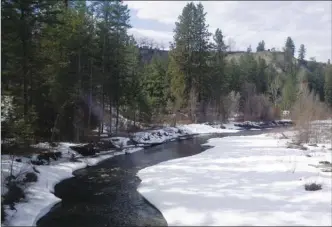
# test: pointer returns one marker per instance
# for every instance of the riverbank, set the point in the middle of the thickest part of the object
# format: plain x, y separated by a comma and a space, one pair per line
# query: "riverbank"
253, 180
39, 197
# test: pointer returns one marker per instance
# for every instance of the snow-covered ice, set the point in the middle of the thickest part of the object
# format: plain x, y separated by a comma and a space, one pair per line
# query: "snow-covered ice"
252, 180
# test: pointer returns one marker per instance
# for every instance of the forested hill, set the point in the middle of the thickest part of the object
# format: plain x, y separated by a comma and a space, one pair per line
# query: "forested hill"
274, 58
68, 68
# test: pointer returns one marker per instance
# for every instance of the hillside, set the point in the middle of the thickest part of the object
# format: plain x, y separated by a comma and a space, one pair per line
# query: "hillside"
274, 58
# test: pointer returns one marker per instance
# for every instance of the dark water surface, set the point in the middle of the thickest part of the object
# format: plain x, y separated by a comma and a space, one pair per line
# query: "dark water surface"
106, 194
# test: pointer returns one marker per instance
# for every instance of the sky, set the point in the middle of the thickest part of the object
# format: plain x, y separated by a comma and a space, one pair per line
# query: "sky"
246, 22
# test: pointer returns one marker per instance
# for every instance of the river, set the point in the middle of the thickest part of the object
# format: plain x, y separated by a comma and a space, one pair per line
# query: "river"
106, 194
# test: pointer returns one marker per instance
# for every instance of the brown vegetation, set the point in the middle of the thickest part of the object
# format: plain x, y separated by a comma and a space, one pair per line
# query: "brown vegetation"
307, 109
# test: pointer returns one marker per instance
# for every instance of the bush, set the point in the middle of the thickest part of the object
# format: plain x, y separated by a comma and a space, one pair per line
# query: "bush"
255, 106
3, 213
312, 187
31, 177
258, 107
306, 109
14, 194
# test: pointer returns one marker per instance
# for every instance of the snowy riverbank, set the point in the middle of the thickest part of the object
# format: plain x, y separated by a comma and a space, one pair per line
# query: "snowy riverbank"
252, 180
39, 197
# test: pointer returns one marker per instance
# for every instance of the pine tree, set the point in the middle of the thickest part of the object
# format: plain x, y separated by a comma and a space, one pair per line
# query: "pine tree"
220, 82
328, 85
249, 50
289, 51
290, 47
201, 80
182, 51
261, 46
302, 52
23, 68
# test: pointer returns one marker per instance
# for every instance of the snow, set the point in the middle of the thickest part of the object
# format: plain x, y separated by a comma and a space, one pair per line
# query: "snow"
202, 128
119, 142
171, 133
252, 180
40, 198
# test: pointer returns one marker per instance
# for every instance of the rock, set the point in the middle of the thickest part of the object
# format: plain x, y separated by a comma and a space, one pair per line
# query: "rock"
327, 170
58, 154
85, 150
147, 138
44, 157
222, 127
325, 162
159, 134
49, 155
131, 142
104, 145
37, 162
52, 144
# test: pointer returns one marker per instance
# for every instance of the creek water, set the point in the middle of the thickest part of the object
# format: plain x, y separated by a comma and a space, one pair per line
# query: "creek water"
106, 194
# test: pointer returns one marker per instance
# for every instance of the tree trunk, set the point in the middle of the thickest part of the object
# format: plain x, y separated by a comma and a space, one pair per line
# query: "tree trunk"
103, 88
111, 115
117, 118
66, 3
134, 118
90, 97
102, 110
24, 64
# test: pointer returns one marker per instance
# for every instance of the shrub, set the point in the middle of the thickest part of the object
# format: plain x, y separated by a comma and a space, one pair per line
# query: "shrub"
14, 194
306, 109
3, 213
312, 187
31, 177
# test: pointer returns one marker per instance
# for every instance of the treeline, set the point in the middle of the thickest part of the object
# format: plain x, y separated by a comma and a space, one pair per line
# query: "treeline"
69, 67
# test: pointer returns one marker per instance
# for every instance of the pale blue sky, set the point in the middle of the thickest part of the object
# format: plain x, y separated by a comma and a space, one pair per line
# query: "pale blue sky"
246, 22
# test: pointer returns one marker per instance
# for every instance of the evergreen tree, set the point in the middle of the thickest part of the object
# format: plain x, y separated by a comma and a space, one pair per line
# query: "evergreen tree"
190, 52
302, 52
22, 66
290, 47
289, 51
261, 46
220, 81
249, 50
328, 85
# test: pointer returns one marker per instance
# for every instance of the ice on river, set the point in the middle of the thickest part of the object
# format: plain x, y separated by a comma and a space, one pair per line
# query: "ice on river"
252, 180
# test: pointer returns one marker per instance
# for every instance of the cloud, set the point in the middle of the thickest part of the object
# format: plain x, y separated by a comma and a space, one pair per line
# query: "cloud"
307, 22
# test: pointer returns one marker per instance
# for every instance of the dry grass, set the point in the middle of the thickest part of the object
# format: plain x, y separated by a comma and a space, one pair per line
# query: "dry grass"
305, 111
